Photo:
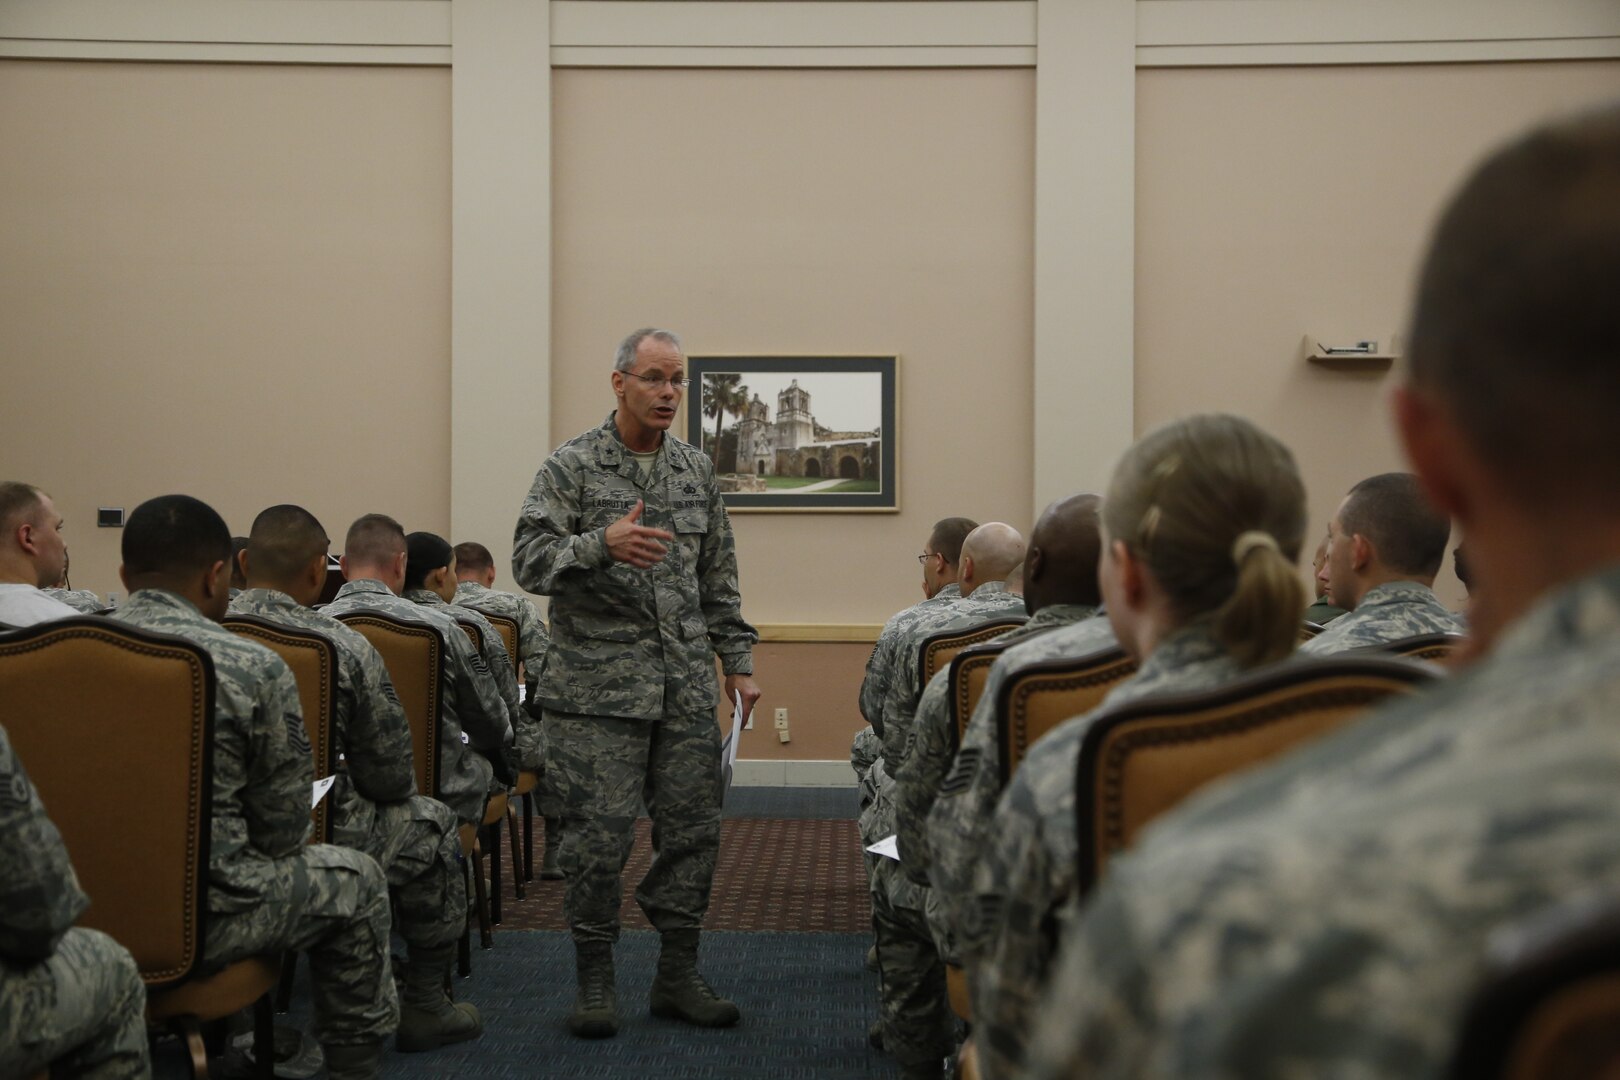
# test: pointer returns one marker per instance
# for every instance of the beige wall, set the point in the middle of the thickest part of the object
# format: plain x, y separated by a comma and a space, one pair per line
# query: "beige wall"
803, 212
1273, 203
231, 281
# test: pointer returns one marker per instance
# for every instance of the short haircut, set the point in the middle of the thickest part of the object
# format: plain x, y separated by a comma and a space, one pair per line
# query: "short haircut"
1459, 559
18, 503
285, 539
625, 358
947, 537
425, 552
473, 556
174, 535
373, 539
1391, 510
238, 545
1516, 326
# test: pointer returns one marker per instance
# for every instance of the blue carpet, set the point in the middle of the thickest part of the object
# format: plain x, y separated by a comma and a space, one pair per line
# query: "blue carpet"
793, 803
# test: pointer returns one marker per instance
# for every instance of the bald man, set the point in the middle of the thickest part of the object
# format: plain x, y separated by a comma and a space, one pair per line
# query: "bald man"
917, 1028
1060, 583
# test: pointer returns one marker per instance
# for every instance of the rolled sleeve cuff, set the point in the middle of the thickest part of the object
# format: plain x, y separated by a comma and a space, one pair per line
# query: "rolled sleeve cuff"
740, 663
593, 550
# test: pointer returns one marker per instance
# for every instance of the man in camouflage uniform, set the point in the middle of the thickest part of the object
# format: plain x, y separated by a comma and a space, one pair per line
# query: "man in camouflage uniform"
1385, 545
475, 580
374, 804
32, 556
430, 580
474, 723
1322, 610
917, 1028
70, 999
267, 890
625, 529
1329, 915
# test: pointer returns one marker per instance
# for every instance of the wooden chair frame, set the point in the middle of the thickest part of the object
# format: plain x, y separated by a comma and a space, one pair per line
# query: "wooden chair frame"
1434, 648
1087, 679
938, 650
969, 671
1293, 702
523, 787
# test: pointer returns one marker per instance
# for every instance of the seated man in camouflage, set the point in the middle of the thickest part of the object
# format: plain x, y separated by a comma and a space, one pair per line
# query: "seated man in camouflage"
1322, 610
430, 580
374, 563
1385, 545
1329, 915
268, 892
916, 1025
70, 999
475, 578
32, 556
374, 803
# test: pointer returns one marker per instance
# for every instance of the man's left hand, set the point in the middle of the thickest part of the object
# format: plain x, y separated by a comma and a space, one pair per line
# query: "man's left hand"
744, 685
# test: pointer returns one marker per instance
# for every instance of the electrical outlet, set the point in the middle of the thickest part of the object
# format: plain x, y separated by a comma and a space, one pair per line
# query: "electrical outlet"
783, 735
781, 720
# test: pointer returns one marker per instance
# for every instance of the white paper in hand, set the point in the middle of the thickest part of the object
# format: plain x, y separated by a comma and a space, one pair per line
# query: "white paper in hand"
321, 788
736, 727
888, 847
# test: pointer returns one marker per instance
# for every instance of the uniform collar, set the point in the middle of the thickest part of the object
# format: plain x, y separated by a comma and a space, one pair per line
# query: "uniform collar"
364, 585
987, 590
611, 453
163, 598
1398, 592
425, 596
1061, 614
470, 588
265, 598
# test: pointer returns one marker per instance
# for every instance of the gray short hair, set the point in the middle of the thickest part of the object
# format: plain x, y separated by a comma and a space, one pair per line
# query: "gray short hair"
625, 358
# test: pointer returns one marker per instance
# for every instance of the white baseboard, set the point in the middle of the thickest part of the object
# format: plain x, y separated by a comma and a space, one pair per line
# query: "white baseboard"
793, 774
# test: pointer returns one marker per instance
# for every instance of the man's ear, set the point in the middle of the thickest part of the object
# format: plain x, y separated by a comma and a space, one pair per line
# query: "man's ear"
242, 562
965, 569
1435, 446
489, 578
399, 564
1130, 572
316, 574
25, 537
1361, 552
123, 576
216, 578
1034, 564
343, 564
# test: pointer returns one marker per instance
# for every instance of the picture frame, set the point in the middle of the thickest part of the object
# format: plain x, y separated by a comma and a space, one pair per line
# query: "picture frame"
805, 434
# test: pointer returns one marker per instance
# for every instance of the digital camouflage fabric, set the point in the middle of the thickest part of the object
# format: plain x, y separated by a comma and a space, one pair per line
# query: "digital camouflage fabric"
1387, 613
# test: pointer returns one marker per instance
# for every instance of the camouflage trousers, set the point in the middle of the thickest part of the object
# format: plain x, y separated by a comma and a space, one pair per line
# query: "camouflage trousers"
83, 1010
605, 768
533, 749
863, 753
332, 903
415, 842
918, 1025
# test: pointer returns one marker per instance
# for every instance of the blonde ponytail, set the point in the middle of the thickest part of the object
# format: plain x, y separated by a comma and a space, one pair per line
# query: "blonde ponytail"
1259, 623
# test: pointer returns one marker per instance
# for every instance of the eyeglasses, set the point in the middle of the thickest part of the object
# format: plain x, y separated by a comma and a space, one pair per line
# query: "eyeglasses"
658, 382
925, 556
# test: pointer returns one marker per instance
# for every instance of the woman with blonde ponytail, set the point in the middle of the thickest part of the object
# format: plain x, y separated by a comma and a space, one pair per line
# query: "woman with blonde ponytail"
1202, 528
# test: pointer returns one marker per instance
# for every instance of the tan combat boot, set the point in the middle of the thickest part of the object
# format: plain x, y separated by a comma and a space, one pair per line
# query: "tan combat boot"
427, 1018
596, 1010
680, 993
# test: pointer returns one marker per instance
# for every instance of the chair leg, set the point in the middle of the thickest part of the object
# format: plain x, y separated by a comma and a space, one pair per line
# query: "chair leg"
486, 939
289, 971
528, 836
190, 1032
264, 1038
491, 844
517, 855
464, 946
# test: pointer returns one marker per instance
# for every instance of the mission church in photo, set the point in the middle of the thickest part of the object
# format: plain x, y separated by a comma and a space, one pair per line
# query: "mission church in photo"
793, 444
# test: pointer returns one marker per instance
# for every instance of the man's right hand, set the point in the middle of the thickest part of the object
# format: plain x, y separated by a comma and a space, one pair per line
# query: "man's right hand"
635, 544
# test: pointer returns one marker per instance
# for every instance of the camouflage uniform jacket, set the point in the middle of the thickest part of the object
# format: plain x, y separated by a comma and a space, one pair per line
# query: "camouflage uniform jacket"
1328, 916
496, 659
533, 638
369, 726
1321, 612
78, 599
1024, 887
881, 665
627, 642
932, 743
470, 704
1389, 612
965, 801
39, 893
263, 769
989, 602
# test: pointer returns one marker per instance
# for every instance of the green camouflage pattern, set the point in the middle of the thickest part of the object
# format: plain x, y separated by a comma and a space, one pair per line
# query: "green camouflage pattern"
82, 600
1024, 886
471, 705
1328, 915
533, 641
68, 996
966, 800
375, 805
605, 766
267, 890
881, 665
627, 642
1321, 612
1387, 613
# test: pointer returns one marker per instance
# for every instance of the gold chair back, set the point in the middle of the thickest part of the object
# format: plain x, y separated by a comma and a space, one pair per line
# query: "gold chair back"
1141, 759
475, 633
1039, 698
105, 715
414, 655
1436, 648
937, 651
970, 671
508, 629
313, 660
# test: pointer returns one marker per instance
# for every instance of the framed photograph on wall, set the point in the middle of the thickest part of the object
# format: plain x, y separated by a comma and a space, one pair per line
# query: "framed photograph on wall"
797, 433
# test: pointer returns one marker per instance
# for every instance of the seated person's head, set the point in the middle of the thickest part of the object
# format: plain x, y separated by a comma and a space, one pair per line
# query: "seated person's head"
475, 563
1509, 411
1318, 561
430, 564
286, 551
374, 549
989, 553
1459, 561
32, 551
1204, 518
1385, 530
943, 551
1060, 564
238, 545
181, 545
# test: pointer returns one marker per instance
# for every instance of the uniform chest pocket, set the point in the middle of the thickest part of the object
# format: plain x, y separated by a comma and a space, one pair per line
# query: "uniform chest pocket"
691, 519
